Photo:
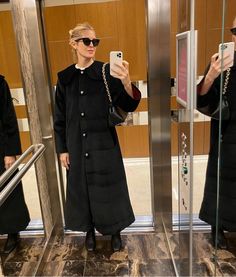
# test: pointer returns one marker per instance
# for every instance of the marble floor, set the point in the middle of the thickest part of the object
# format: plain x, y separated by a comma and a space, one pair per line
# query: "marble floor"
206, 260
143, 254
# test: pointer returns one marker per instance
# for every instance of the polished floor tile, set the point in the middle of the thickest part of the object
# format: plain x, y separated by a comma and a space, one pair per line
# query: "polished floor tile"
107, 268
142, 254
67, 248
147, 246
27, 250
20, 268
161, 267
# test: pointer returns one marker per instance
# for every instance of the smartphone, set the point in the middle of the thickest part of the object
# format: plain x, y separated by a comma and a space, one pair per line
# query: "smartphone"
227, 48
116, 57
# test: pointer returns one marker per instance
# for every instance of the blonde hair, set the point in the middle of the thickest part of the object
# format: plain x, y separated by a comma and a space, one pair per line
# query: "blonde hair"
76, 33
79, 28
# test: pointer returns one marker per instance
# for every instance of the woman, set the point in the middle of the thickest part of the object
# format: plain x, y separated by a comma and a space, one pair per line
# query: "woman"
14, 215
208, 92
97, 194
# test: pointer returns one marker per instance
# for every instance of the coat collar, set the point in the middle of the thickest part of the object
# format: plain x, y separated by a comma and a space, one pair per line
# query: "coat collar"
94, 71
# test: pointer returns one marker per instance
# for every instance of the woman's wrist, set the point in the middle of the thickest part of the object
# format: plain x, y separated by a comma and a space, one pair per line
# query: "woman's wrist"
128, 88
127, 85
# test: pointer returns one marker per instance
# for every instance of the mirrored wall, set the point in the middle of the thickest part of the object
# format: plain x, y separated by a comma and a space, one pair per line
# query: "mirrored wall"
32, 238
203, 152
117, 31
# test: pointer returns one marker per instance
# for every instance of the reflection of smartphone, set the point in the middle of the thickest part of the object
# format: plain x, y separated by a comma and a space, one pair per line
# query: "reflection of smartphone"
227, 48
115, 57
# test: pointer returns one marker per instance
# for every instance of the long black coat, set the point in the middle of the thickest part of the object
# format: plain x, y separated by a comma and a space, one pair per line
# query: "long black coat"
227, 195
97, 193
14, 215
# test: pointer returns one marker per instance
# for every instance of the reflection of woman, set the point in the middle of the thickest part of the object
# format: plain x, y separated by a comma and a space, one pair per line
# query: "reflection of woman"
97, 195
208, 91
14, 216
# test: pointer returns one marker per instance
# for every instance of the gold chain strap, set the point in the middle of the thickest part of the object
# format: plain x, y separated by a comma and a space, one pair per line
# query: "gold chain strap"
226, 81
105, 81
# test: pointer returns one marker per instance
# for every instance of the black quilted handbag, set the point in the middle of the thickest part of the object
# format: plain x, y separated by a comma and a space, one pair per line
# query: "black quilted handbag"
116, 115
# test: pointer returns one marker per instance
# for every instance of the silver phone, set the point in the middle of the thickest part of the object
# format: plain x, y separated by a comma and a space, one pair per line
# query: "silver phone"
227, 48
116, 57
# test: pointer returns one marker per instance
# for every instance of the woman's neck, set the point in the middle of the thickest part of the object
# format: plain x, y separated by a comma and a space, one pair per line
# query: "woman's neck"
84, 63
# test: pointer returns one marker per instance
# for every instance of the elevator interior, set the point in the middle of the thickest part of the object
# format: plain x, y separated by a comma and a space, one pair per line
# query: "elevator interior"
175, 183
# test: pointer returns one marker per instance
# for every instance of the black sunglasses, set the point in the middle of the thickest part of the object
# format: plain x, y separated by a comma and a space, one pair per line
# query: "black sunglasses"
233, 31
87, 41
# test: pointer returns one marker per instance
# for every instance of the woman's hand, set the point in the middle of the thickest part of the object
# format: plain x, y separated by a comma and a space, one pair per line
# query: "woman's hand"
216, 67
122, 72
65, 161
9, 161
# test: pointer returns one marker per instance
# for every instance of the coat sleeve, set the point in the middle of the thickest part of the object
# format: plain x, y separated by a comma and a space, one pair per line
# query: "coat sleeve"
60, 119
9, 125
212, 96
119, 95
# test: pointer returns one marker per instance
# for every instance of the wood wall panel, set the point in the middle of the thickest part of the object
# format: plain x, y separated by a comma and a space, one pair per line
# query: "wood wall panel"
25, 140
230, 13
61, 56
206, 146
113, 24
183, 16
21, 111
198, 138
143, 105
201, 134
132, 36
102, 16
212, 20
173, 55
108, 43
174, 138
213, 43
214, 13
6, 27
9, 64
134, 141
200, 25
58, 21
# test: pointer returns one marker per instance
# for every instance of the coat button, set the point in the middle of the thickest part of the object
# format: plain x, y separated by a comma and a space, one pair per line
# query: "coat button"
84, 134
82, 114
81, 92
82, 72
86, 155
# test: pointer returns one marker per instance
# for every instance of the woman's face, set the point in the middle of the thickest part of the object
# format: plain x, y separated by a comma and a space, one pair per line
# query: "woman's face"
84, 51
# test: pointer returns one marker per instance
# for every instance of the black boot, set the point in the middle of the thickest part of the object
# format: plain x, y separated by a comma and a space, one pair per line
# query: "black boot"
221, 239
11, 243
116, 242
90, 241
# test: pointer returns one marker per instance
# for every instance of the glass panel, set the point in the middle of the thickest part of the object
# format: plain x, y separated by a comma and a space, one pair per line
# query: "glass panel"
110, 20
218, 193
213, 175
10, 69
